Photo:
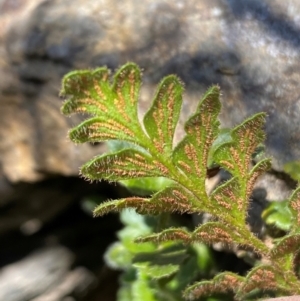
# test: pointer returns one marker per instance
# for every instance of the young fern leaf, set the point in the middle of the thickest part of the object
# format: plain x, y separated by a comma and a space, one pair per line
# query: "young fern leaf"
169, 200
170, 234
294, 205
236, 155
113, 110
191, 154
114, 105
123, 165
161, 119
225, 201
223, 283
263, 277
86, 91
290, 243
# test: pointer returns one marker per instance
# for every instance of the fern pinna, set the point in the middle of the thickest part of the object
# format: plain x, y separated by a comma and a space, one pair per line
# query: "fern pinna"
113, 105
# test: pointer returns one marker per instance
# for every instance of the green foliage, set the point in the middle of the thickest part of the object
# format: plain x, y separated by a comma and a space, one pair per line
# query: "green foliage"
151, 153
278, 215
161, 271
293, 169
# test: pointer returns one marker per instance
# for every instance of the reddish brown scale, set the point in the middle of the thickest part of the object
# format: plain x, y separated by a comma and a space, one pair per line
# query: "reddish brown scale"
289, 244
119, 163
84, 82
250, 183
139, 157
230, 194
240, 204
203, 236
170, 108
141, 164
101, 94
120, 105
197, 133
180, 196
163, 169
207, 145
79, 110
221, 234
244, 137
223, 203
248, 156
188, 151
159, 118
91, 102
191, 154
210, 106
295, 204
134, 200
113, 126
101, 136
202, 290
132, 82
236, 158
227, 164
262, 278
158, 145
230, 282
184, 166
178, 235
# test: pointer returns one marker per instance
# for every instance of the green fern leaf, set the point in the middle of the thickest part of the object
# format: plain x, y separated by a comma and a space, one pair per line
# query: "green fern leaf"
161, 263
226, 201
170, 234
161, 119
87, 92
294, 206
137, 203
123, 165
175, 199
114, 105
170, 199
289, 244
157, 271
101, 129
263, 277
201, 127
236, 156
222, 283
259, 169
191, 154
215, 232
150, 153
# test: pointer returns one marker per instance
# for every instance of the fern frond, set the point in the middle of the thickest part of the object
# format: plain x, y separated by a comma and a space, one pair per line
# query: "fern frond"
113, 109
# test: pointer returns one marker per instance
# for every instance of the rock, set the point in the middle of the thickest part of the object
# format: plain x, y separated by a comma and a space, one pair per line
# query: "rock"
79, 281
290, 298
34, 274
61, 257
250, 48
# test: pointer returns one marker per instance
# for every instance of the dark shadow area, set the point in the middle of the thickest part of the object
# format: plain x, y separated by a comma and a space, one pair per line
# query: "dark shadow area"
56, 204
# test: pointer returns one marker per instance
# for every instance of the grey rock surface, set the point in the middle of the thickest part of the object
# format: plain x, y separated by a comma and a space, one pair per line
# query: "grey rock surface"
250, 48
34, 274
51, 246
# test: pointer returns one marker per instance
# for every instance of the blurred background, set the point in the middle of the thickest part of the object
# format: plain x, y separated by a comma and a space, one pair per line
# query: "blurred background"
51, 248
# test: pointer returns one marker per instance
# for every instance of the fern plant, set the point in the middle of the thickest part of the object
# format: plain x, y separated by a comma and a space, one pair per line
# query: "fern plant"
151, 153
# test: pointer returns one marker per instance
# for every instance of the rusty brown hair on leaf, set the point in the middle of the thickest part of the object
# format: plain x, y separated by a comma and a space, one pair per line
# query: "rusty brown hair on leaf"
110, 107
